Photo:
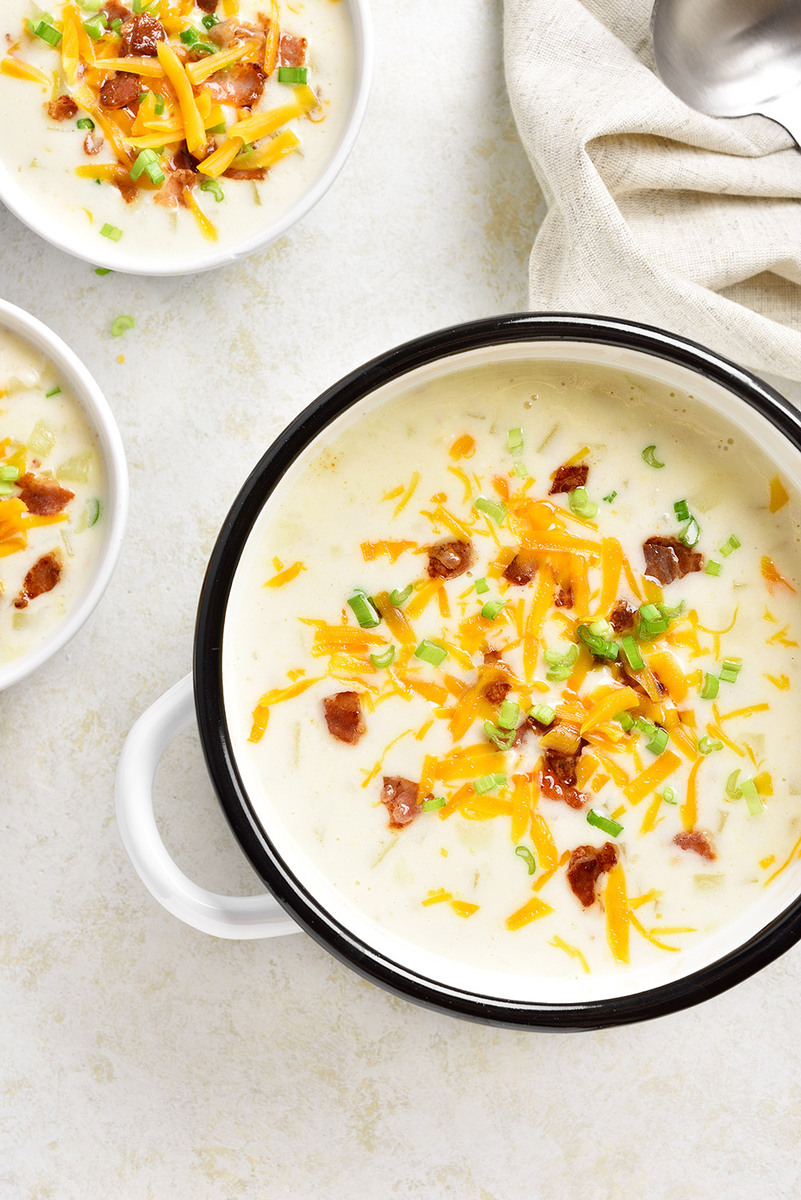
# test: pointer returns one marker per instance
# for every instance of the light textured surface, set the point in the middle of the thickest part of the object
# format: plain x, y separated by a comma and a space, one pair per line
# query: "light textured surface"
654, 211
144, 1061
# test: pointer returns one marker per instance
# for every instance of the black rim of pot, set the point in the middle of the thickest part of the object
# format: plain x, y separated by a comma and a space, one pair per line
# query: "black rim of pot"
770, 942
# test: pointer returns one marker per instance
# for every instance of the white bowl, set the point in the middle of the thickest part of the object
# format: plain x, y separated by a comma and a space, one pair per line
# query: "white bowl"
109, 443
134, 258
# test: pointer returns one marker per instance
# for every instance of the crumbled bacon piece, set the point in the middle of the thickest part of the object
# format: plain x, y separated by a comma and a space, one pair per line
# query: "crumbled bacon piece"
586, 864
400, 797
120, 90
448, 560
343, 716
521, 569
621, 618
42, 495
93, 144
241, 85
558, 779
141, 36
666, 559
568, 478
225, 33
62, 108
242, 173
208, 6
564, 597
496, 691
292, 50
113, 10
42, 577
699, 841
180, 173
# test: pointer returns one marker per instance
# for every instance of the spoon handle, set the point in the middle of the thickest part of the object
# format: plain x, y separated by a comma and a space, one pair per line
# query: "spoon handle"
787, 111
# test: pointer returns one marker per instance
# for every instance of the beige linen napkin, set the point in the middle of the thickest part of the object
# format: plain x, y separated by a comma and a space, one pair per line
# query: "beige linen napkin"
654, 212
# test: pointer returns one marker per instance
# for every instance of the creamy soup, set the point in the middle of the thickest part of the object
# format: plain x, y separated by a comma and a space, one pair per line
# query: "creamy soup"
52, 498
512, 664
175, 128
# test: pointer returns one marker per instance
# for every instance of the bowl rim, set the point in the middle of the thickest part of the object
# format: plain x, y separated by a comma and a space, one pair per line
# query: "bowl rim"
113, 257
101, 419
771, 941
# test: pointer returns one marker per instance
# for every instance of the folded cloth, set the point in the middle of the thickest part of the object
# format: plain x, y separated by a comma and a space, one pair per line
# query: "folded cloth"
655, 212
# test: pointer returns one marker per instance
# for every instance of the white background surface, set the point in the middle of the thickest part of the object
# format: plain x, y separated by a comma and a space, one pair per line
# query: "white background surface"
141, 1059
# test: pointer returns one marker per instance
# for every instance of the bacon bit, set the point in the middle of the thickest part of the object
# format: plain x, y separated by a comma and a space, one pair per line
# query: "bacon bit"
400, 797
208, 6
778, 495
522, 569
392, 549
698, 841
569, 477
343, 716
782, 682
63, 108
449, 560
621, 618
141, 36
666, 559
463, 447
93, 144
114, 10
292, 50
564, 597
285, 576
587, 864
120, 91
42, 495
225, 33
42, 577
557, 779
773, 576
241, 85
181, 174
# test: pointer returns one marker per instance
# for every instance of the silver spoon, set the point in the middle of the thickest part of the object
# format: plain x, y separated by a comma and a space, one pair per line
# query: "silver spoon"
729, 58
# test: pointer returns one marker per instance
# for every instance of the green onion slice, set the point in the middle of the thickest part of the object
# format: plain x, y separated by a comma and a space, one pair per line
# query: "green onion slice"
514, 441
292, 74
502, 738
712, 567
209, 21
85, 123
213, 186
710, 686
542, 713
120, 324
658, 743
47, 32
609, 497
95, 26
626, 720
520, 470
398, 598
560, 666
752, 797
733, 790
690, 533
111, 232
92, 512
681, 510
527, 857
482, 586
147, 161
491, 610
487, 783
730, 670
430, 652
631, 653
433, 804
9, 474
509, 714
707, 746
669, 796
649, 456
581, 505
385, 659
56, 391
364, 610
613, 828
600, 646
732, 543
492, 509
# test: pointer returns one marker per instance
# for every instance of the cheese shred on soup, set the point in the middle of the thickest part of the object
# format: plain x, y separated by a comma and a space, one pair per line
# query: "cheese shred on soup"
512, 663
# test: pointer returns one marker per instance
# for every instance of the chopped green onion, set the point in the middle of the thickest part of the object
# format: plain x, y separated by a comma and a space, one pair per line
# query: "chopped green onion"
671, 611
751, 797
158, 107
486, 783
658, 743
398, 598
482, 586
209, 21
433, 804
189, 37
710, 686
730, 544
111, 232
649, 456
712, 567
90, 5
626, 720
543, 713
509, 714
48, 33
120, 324
520, 470
681, 510
601, 647
609, 497
690, 533
9, 474
213, 186
103, 271
730, 670
613, 828
364, 610
95, 26
645, 726
581, 505
631, 653
56, 391
502, 738
385, 659
85, 123
492, 608
147, 161
492, 509
733, 790
707, 746
92, 512
292, 74
601, 628
651, 622
514, 441
6, 489
527, 857
669, 796
430, 652
116, 25
560, 665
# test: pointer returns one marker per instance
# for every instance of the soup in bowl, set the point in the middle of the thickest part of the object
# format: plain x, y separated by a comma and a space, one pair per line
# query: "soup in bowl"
496, 668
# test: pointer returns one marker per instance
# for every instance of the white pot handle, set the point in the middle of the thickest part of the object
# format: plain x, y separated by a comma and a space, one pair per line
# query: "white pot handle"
224, 916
